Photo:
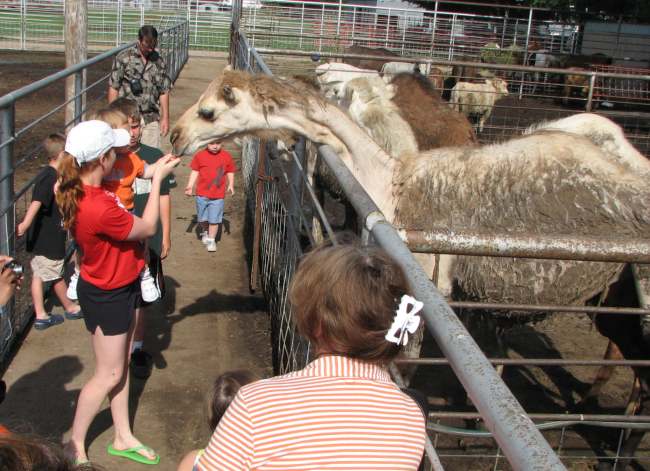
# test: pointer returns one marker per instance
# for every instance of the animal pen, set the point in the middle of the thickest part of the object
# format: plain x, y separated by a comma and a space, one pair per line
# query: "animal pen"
281, 204
20, 138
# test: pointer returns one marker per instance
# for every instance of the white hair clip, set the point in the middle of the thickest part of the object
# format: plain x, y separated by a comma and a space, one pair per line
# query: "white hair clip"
405, 320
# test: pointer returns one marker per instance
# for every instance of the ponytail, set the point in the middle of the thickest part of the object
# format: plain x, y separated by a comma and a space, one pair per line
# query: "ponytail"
70, 189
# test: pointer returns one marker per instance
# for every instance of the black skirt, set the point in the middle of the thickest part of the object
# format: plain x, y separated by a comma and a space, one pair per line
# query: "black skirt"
111, 310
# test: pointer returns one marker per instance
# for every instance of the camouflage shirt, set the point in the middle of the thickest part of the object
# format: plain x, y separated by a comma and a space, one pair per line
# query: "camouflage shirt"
128, 66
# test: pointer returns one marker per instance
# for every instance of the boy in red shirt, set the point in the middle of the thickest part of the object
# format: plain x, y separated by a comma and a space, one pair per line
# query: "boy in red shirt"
213, 167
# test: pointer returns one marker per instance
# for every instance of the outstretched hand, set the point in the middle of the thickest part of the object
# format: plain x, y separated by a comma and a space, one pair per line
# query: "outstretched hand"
165, 165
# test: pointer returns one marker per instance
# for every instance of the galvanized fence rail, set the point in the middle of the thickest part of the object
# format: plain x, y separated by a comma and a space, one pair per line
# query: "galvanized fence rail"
19, 149
436, 31
280, 245
510, 117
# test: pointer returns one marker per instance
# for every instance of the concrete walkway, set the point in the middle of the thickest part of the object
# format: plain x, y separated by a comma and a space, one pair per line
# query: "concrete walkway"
209, 323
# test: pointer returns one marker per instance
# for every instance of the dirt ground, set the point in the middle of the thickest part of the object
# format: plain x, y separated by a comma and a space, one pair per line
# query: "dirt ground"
208, 323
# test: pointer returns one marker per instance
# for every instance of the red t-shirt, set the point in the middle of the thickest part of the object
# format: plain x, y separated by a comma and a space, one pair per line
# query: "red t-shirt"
212, 170
108, 261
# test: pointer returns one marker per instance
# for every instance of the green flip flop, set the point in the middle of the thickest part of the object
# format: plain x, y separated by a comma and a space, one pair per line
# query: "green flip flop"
134, 455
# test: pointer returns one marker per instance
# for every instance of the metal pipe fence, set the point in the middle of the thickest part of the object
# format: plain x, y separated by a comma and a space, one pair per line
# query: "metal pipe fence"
565, 440
280, 245
437, 31
39, 24
20, 129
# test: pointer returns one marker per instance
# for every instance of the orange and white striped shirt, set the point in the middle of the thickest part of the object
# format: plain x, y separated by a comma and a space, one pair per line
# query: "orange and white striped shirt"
337, 413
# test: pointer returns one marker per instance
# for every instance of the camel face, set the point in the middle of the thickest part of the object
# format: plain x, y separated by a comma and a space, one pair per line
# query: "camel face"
222, 112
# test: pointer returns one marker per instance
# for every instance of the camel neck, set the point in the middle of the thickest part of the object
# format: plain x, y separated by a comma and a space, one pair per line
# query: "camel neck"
366, 160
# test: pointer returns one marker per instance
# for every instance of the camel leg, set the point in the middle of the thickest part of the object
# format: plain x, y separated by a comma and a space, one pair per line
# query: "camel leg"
603, 375
632, 442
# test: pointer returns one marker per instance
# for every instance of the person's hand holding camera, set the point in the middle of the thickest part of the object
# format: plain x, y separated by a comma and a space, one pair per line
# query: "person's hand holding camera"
9, 279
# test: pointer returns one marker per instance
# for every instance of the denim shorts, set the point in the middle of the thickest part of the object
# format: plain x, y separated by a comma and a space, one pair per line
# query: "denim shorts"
209, 210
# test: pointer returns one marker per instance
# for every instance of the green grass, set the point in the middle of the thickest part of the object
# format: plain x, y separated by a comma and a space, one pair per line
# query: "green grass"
207, 34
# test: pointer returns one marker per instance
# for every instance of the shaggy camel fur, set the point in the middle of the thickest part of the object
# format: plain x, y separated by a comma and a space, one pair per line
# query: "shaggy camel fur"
433, 122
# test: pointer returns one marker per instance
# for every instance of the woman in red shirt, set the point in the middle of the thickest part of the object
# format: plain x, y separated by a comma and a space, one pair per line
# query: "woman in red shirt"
108, 237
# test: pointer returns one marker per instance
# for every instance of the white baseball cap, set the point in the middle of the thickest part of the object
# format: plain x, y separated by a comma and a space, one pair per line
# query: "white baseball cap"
90, 140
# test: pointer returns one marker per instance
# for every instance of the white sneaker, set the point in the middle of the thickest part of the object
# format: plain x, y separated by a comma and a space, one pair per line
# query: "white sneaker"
204, 238
71, 293
148, 286
211, 245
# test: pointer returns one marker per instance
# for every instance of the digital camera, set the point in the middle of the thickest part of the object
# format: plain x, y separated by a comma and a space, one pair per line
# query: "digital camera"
16, 267
136, 87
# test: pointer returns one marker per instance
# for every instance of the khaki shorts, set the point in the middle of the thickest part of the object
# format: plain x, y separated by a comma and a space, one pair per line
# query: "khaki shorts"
151, 135
47, 269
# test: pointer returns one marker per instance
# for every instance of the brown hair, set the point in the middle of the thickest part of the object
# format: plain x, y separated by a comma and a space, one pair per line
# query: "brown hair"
70, 187
53, 145
344, 300
25, 453
224, 390
128, 107
114, 117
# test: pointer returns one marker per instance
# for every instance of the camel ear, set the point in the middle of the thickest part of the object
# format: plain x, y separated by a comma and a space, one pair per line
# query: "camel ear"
229, 95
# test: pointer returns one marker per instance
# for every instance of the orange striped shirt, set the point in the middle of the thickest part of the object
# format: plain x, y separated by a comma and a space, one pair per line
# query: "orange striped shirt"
337, 413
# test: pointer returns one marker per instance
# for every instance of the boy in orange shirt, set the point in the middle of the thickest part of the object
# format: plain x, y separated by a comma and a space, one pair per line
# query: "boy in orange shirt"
128, 166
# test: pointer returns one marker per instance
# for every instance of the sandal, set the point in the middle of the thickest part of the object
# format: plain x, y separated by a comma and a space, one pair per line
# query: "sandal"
73, 316
53, 319
134, 455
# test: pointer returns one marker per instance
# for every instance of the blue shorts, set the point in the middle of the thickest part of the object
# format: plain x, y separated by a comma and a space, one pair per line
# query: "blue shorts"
209, 210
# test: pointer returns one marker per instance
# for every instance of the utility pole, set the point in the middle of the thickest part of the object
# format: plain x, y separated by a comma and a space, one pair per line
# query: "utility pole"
76, 51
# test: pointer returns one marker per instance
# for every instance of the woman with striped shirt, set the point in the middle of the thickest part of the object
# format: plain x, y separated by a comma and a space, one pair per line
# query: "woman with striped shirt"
342, 411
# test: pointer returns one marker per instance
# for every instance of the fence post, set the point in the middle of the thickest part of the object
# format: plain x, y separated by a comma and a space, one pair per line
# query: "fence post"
505, 27
118, 35
433, 28
528, 29
76, 39
590, 96
78, 96
23, 24
7, 223
387, 28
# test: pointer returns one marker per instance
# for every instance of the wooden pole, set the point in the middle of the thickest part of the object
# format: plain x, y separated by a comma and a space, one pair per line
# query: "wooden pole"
76, 51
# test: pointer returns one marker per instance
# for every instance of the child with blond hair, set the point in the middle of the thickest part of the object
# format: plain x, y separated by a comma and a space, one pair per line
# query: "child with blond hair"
46, 240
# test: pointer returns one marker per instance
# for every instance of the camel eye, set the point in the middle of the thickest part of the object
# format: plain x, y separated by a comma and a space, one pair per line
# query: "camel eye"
228, 94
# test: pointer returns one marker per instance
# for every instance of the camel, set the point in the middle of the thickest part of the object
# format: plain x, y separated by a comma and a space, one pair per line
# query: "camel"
550, 182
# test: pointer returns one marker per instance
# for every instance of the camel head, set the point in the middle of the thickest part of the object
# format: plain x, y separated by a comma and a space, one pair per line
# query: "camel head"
238, 103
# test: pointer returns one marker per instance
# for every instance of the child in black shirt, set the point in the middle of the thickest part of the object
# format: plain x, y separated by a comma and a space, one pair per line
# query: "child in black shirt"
46, 239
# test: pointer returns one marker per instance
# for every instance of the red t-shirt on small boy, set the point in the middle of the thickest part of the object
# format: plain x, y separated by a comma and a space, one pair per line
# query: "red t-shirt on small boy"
102, 224
212, 170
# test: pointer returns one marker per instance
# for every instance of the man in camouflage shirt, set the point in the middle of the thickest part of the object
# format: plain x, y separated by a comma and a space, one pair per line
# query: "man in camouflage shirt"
139, 73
